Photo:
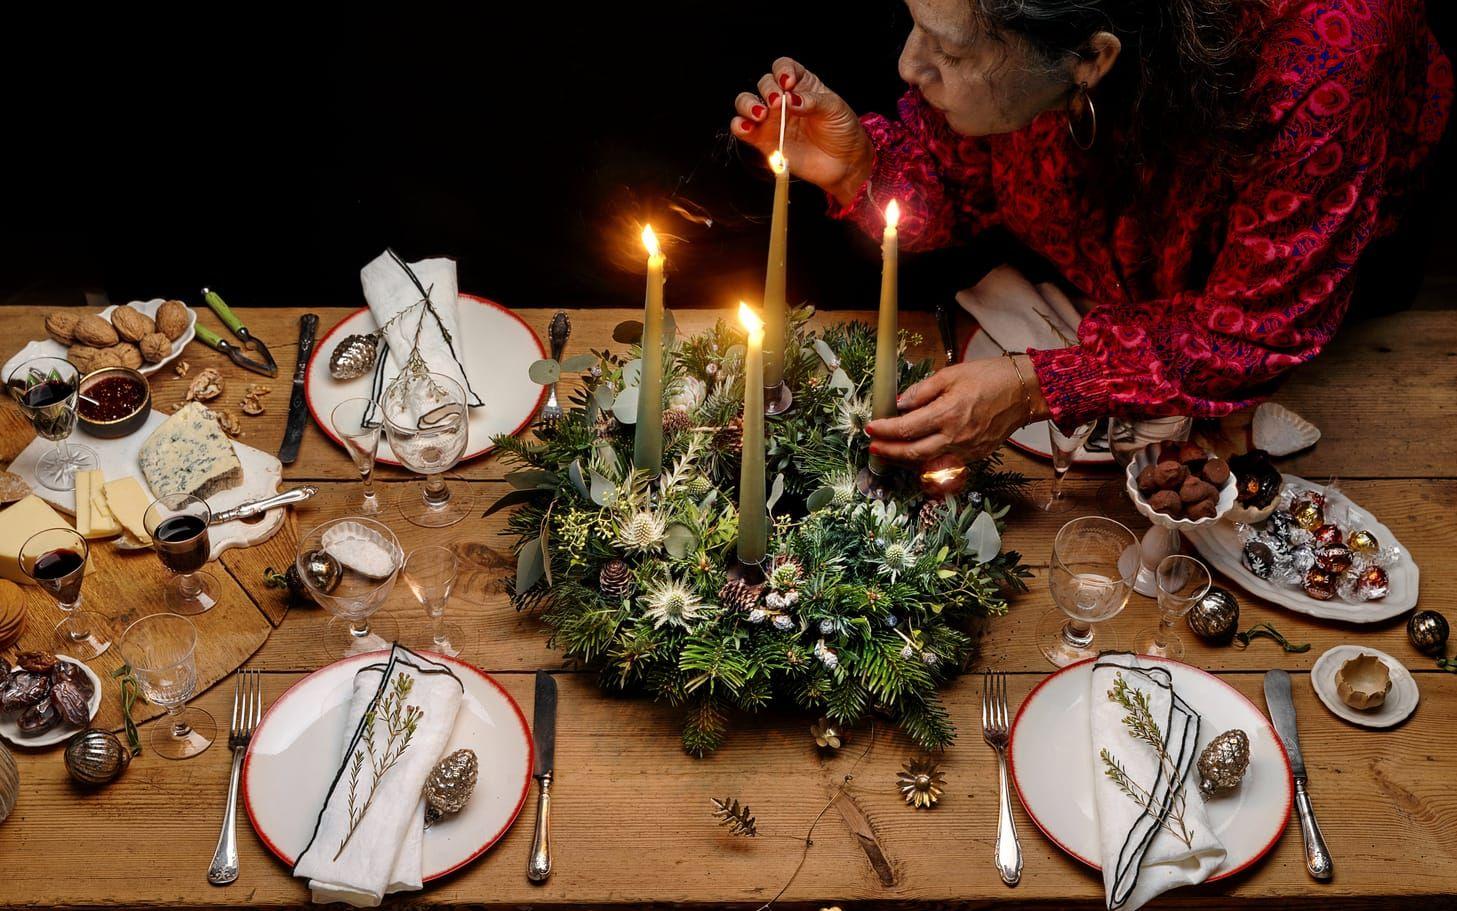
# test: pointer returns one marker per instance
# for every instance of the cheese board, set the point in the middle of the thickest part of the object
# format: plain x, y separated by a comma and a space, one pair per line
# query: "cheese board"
121, 458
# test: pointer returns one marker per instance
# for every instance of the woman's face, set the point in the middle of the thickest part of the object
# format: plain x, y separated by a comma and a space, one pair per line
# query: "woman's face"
983, 83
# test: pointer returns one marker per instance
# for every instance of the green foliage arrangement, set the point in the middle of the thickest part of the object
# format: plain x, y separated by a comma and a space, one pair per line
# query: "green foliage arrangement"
862, 602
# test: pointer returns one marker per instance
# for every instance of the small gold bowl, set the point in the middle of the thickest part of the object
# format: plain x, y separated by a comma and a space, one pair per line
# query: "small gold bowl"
121, 426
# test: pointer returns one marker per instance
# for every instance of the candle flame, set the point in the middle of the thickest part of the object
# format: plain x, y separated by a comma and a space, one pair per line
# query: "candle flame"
943, 475
777, 164
892, 214
650, 240
750, 319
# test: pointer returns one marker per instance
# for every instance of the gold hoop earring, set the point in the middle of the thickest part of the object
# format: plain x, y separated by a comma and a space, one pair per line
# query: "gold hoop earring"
1090, 114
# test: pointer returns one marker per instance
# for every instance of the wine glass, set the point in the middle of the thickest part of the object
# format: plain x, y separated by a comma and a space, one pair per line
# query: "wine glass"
55, 559
46, 390
428, 425
161, 649
1093, 563
177, 524
350, 565
1125, 439
1064, 447
1182, 581
358, 421
431, 572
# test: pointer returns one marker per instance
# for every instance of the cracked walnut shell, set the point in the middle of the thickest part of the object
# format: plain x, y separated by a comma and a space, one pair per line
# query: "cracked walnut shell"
95, 331
132, 325
61, 326
207, 386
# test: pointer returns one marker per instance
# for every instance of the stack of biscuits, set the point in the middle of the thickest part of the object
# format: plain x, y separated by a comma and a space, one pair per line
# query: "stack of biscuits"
12, 613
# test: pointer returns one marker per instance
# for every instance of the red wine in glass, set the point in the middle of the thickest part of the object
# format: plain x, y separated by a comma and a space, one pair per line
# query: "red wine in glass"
182, 543
46, 394
57, 572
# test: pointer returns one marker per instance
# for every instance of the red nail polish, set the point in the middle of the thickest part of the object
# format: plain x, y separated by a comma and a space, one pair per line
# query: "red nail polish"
796, 99
773, 97
784, 80
748, 124
757, 111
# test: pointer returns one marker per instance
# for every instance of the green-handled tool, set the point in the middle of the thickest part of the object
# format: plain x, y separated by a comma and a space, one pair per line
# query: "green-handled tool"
266, 365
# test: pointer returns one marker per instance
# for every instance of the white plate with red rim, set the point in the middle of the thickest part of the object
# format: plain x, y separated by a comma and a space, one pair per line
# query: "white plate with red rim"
293, 755
496, 347
1034, 439
1219, 544
1053, 768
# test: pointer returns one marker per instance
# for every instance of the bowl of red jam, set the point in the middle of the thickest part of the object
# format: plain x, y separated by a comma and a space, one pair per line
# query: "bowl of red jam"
114, 402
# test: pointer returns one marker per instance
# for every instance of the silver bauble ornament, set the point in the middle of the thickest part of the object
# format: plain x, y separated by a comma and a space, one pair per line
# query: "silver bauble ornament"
354, 356
95, 757
1223, 762
1428, 631
1215, 617
450, 785
321, 571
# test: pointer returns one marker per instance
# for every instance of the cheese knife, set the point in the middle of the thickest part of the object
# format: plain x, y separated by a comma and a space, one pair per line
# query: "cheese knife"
1282, 713
298, 412
543, 730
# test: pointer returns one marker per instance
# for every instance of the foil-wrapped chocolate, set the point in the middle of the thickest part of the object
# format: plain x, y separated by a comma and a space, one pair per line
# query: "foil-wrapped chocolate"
354, 356
450, 785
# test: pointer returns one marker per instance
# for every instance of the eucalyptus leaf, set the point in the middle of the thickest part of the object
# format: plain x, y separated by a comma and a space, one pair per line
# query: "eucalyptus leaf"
602, 489
775, 492
604, 396
820, 499
531, 478
826, 353
625, 407
579, 362
545, 372
670, 325
529, 566
840, 380
632, 373
679, 541
735, 352
578, 481
545, 540
510, 498
627, 332
983, 541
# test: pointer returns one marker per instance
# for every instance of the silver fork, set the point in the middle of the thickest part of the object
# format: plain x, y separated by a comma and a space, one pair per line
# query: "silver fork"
996, 729
247, 710
557, 333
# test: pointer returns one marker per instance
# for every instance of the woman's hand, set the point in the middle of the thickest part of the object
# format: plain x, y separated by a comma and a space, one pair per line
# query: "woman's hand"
823, 139
966, 411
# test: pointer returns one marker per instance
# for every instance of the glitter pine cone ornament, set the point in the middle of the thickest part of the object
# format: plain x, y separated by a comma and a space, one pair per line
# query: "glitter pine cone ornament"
615, 579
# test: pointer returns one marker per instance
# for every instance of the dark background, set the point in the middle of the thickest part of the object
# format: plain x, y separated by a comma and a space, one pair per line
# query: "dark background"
270, 158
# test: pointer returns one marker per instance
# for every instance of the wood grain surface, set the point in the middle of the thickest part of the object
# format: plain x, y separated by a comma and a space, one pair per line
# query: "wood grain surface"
632, 824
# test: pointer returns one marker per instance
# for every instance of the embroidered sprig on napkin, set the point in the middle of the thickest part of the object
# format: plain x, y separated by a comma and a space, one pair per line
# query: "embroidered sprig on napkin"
1143, 726
400, 723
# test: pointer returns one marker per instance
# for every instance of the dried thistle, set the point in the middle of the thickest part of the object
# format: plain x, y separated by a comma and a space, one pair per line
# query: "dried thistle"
735, 817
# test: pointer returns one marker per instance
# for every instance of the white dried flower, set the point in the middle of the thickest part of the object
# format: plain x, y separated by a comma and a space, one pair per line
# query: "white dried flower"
672, 602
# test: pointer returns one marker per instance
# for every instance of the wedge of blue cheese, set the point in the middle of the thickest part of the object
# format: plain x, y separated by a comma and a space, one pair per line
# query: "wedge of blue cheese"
190, 454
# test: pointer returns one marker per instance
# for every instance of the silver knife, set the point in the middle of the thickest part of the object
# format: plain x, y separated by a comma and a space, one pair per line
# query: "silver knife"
257, 507
1282, 712
298, 411
543, 730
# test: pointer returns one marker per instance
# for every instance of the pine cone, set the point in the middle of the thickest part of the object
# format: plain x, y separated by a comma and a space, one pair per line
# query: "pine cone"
730, 438
604, 425
737, 594
675, 421
931, 514
615, 580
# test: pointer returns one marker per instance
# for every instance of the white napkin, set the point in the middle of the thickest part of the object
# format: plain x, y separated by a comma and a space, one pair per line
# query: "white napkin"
388, 290
1018, 315
383, 854
1142, 859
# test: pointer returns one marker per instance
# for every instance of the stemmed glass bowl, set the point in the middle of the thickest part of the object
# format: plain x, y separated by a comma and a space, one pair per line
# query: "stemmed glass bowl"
427, 422
350, 565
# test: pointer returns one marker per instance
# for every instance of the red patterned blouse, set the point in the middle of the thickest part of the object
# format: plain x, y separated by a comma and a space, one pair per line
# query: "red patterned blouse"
1206, 298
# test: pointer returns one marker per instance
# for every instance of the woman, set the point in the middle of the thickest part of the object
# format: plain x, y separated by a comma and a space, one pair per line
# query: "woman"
1206, 172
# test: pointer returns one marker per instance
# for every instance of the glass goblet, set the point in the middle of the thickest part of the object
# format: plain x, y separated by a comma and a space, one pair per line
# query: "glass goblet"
45, 389
1064, 447
358, 423
430, 572
428, 426
1182, 581
350, 565
177, 524
161, 649
55, 559
1090, 577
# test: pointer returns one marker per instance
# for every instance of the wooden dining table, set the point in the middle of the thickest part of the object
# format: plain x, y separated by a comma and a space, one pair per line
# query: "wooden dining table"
632, 820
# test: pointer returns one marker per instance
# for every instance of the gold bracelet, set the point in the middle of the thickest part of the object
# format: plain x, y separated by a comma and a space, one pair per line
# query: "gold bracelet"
1021, 381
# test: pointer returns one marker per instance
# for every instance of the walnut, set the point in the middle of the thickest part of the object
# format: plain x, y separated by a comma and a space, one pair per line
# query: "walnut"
127, 354
172, 319
61, 326
257, 389
251, 405
83, 356
207, 386
155, 346
228, 422
182, 368
132, 324
95, 331
105, 357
